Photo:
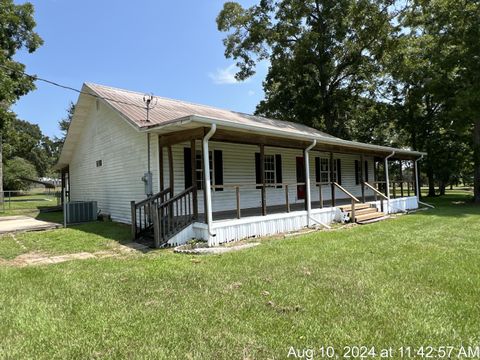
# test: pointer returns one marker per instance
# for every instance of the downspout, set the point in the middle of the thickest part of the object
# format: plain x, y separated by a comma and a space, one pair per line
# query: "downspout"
307, 186
417, 184
206, 175
387, 179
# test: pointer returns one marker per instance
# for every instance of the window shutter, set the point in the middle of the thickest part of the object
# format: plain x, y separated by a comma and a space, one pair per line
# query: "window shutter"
339, 172
317, 169
258, 175
187, 167
366, 171
278, 169
218, 167
357, 177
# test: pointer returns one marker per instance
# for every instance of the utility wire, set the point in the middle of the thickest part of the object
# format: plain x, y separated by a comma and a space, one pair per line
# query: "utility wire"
36, 78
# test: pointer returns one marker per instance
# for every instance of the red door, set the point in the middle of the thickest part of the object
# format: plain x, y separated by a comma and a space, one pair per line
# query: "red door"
300, 178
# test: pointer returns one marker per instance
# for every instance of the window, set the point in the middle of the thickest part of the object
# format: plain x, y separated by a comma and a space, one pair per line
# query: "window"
322, 170
272, 170
216, 168
99, 163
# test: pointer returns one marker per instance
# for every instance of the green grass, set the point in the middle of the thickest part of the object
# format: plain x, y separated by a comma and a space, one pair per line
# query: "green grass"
28, 204
413, 280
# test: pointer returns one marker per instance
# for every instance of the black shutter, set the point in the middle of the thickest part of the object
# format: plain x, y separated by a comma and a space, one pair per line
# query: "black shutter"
187, 167
366, 171
317, 169
339, 172
357, 177
218, 168
278, 169
258, 175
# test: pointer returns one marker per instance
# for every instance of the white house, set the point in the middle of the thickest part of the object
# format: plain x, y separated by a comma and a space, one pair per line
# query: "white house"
261, 176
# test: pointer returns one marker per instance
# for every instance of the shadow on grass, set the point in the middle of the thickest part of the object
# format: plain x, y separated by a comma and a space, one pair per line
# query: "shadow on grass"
456, 203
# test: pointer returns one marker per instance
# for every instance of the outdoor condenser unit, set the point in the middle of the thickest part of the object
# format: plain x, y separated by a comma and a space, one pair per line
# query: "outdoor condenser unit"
80, 211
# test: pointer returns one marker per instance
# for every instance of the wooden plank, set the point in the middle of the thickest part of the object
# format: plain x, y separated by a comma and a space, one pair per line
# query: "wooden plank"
262, 174
239, 214
182, 136
287, 201
171, 175
134, 220
194, 179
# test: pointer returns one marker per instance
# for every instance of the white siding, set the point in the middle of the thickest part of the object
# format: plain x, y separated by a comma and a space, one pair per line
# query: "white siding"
239, 168
123, 151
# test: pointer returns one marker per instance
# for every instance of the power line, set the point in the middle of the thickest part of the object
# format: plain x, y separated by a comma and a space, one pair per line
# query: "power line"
50, 82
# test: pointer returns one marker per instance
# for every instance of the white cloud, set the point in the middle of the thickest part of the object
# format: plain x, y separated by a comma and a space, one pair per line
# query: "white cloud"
225, 75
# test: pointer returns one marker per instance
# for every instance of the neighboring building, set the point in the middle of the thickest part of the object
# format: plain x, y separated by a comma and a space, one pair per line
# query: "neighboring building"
259, 182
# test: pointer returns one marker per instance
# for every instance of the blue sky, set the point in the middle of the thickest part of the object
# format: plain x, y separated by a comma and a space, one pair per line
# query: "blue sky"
170, 48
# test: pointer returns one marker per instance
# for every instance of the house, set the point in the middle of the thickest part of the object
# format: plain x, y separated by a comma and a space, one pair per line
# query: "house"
183, 170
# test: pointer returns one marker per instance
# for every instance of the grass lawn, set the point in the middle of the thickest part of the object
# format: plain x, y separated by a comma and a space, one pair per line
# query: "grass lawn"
27, 204
410, 281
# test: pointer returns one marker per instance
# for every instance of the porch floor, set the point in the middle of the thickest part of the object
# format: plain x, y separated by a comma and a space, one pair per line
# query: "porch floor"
276, 209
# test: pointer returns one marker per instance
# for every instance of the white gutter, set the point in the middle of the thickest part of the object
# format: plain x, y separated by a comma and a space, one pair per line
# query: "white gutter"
387, 180
206, 176
307, 181
417, 184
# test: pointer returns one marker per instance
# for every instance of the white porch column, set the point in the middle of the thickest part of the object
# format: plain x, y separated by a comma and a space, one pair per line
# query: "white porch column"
307, 182
387, 179
207, 182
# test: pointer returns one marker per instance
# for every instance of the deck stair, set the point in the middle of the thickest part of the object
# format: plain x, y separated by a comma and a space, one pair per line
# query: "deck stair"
364, 213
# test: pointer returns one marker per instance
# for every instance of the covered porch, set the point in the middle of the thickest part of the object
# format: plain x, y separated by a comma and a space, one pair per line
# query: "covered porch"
213, 178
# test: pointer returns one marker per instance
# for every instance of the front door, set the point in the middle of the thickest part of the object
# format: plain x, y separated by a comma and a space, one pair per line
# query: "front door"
300, 178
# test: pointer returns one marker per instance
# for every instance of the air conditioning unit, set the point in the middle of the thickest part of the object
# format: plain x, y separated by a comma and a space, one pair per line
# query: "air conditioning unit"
80, 211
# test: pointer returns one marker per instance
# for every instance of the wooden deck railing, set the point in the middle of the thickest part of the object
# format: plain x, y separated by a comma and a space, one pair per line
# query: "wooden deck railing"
351, 196
142, 214
172, 216
376, 193
403, 186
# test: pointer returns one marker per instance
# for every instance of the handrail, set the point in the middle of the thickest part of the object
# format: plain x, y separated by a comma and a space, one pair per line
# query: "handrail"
375, 190
233, 186
345, 191
153, 197
176, 197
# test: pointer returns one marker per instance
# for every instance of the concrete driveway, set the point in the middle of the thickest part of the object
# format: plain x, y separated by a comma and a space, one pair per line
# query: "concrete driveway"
9, 224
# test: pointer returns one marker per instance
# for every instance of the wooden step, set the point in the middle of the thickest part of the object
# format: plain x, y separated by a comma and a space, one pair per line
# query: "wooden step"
373, 220
347, 208
369, 216
368, 210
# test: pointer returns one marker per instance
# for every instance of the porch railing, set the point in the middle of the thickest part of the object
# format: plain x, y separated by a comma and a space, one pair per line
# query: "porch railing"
397, 187
376, 193
142, 212
172, 216
352, 197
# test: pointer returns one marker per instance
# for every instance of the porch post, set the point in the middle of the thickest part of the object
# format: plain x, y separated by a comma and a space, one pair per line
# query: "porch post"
387, 180
262, 177
332, 186
362, 176
171, 175
63, 186
160, 164
416, 178
401, 178
194, 178
307, 181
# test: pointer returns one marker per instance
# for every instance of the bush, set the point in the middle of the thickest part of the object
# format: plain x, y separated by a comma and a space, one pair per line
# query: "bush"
14, 170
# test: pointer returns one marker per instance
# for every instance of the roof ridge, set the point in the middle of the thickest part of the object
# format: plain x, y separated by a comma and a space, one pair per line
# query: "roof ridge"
171, 99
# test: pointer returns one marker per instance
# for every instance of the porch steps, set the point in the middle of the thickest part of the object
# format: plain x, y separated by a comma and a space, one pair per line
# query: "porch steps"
364, 213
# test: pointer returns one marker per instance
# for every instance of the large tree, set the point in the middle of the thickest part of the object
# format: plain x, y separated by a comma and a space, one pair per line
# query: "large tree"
322, 54
16, 32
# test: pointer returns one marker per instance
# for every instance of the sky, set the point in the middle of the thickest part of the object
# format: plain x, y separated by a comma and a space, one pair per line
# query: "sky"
168, 48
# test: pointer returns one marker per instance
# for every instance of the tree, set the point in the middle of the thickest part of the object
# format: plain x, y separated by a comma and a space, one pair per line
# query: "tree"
323, 55
16, 32
63, 125
17, 170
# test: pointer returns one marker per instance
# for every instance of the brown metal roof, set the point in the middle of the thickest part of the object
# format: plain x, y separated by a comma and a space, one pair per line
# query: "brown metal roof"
130, 104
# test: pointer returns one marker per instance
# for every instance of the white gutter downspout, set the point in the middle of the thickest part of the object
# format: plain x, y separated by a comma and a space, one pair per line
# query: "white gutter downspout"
307, 186
387, 179
206, 176
417, 184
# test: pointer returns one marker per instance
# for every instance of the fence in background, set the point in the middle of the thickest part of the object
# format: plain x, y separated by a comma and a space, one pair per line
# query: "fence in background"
19, 201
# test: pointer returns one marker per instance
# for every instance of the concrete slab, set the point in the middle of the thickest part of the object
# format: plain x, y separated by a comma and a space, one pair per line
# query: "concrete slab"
11, 224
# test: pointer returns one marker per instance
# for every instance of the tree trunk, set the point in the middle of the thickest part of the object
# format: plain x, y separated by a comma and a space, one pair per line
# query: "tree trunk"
476, 161
431, 183
441, 187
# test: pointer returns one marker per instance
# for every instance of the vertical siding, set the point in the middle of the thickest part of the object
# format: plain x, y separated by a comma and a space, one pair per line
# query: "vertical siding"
107, 137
